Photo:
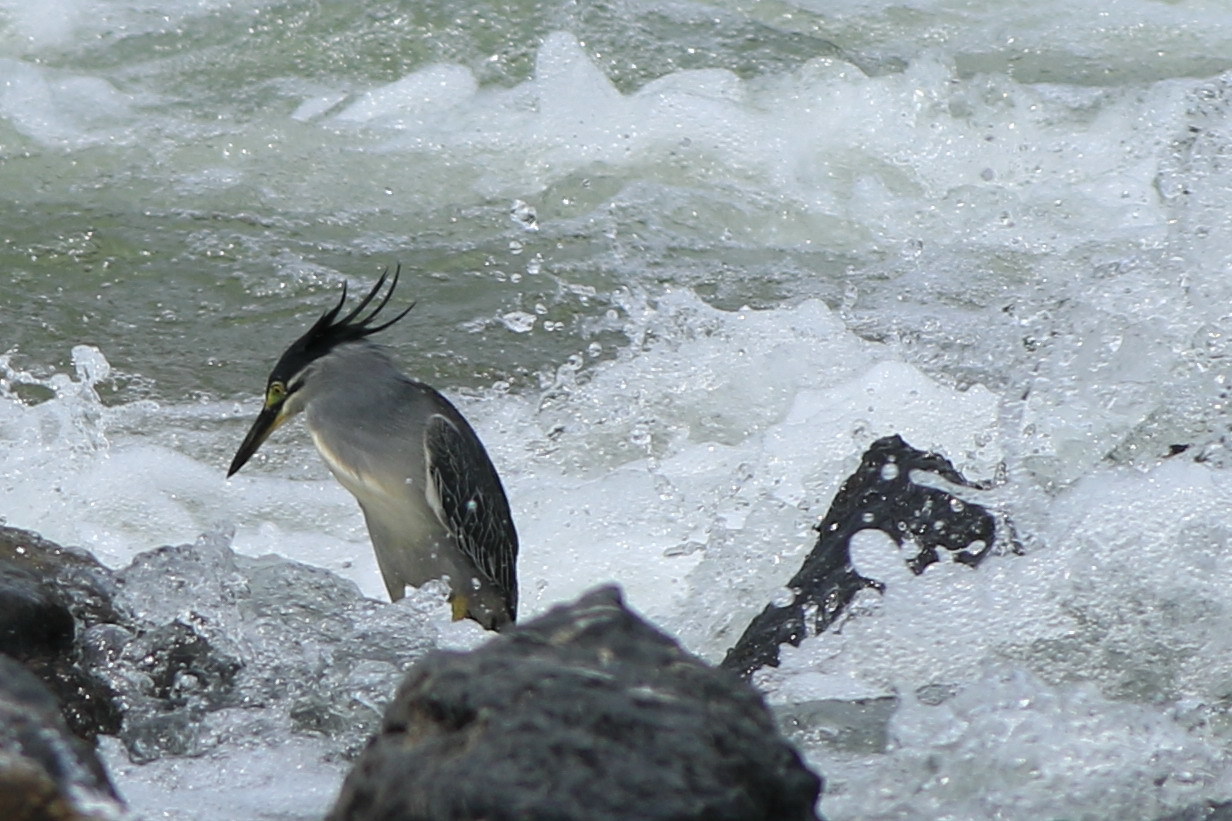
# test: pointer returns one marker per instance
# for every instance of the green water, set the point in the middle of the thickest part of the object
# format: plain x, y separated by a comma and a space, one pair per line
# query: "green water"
188, 227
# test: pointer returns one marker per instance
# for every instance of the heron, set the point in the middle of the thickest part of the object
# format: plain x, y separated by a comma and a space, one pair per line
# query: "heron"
431, 498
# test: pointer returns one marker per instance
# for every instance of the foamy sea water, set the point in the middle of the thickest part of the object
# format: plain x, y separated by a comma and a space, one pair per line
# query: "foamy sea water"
680, 265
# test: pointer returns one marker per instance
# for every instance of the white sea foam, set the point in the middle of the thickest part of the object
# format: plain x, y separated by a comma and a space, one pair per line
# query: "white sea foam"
701, 515
1029, 270
59, 108
294, 784
414, 101
688, 470
1011, 746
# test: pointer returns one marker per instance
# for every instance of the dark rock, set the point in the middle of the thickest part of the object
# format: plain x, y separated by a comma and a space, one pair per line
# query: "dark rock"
585, 713
46, 591
46, 773
879, 495
33, 620
83, 584
88, 704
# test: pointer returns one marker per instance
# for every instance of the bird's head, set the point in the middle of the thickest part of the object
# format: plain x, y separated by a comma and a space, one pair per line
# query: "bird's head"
294, 368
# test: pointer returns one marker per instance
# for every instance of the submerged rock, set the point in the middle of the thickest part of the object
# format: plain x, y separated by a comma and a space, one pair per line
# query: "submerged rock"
49, 595
586, 713
880, 495
192, 646
46, 773
228, 646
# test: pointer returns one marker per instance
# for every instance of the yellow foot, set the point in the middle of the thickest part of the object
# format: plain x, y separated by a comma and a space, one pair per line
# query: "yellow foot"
460, 605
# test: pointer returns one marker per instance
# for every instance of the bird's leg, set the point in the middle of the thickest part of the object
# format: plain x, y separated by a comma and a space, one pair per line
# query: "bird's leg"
460, 605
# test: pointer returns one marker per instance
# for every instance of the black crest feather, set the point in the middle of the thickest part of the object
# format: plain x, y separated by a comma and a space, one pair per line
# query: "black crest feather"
330, 331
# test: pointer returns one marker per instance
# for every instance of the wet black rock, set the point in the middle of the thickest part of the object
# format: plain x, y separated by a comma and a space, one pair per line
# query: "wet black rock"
48, 595
880, 495
46, 773
33, 620
85, 586
584, 713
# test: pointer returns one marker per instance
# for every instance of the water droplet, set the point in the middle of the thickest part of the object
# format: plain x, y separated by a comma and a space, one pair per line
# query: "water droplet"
519, 322
523, 214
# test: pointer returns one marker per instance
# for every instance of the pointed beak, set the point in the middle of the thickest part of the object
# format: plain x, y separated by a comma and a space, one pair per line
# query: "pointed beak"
267, 420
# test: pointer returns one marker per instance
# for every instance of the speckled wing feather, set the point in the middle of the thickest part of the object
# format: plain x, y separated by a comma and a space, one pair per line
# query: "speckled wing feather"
473, 503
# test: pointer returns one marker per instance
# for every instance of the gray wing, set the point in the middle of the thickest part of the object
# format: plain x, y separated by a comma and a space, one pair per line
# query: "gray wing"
473, 503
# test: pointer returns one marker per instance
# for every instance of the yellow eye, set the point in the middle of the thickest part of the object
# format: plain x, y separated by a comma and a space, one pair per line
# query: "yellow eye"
275, 394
